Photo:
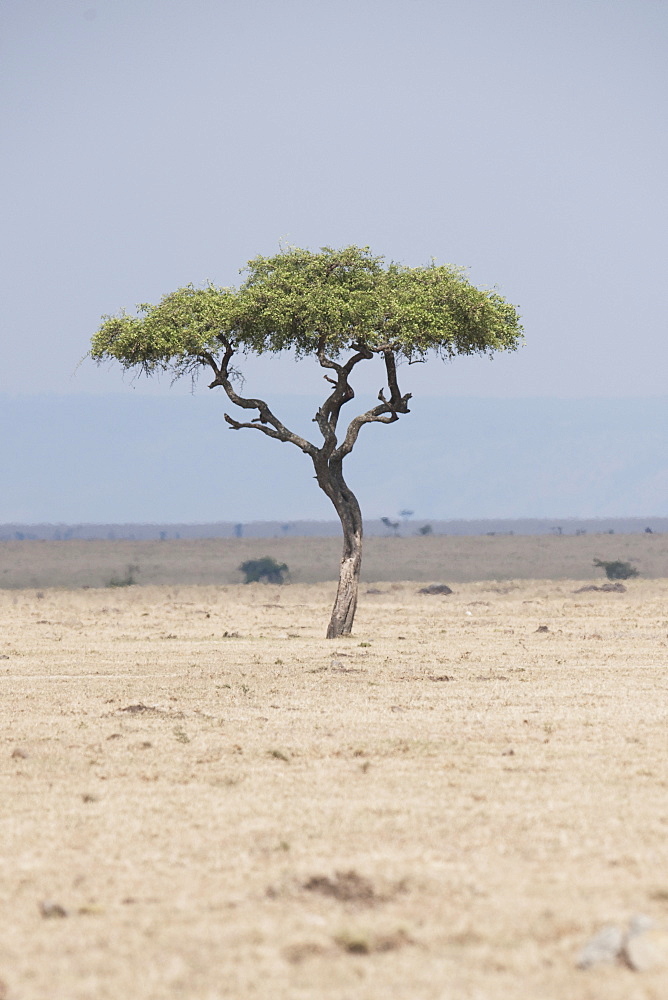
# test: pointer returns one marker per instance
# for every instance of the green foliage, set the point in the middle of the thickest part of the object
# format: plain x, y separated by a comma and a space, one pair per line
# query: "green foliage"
616, 569
336, 300
173, 334
266, 568
426, 529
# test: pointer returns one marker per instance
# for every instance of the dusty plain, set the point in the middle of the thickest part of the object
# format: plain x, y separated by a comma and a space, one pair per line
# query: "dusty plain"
203, 798
447, 558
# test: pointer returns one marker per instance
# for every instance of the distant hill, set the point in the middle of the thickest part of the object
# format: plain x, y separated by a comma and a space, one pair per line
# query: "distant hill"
167, 461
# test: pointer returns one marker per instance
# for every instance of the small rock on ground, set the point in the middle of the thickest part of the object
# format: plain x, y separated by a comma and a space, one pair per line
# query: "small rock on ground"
603, 947
641, 948
646, 950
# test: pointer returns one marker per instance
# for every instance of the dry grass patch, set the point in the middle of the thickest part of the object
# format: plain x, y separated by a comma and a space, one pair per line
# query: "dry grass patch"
435, 560
451, 803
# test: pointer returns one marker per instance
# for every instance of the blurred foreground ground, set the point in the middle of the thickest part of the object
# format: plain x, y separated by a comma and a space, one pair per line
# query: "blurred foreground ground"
203, 798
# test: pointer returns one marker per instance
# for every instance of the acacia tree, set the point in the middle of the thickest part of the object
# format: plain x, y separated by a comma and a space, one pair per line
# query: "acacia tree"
342, 307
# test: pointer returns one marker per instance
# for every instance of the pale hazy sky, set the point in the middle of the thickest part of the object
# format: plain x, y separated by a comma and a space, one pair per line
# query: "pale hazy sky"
150, 143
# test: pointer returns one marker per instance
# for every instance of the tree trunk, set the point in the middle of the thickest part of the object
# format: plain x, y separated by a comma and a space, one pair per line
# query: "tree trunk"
345, 605
331, 481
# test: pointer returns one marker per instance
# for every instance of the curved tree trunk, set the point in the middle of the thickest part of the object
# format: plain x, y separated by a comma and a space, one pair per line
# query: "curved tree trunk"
328, 459
331, 481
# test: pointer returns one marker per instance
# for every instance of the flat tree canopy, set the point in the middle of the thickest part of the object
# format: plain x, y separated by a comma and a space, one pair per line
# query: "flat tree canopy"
342, 307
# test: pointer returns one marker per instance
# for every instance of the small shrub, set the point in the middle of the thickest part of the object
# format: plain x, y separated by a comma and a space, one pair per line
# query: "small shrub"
615, 569
266, 568
426, 529
128, 580
392, 526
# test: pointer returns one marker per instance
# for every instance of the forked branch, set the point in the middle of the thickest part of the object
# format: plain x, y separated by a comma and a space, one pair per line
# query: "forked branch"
267, 421
327, 417
387, 411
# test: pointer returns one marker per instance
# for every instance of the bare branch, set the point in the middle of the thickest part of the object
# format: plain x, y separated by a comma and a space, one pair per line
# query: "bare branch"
387, 412
363, 353
381, 414
327, 417
253, 426
324, 361
211, 362
275, 429
391, 369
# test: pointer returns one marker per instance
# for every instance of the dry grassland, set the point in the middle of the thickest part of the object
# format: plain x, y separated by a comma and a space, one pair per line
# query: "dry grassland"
202, 798
215, 561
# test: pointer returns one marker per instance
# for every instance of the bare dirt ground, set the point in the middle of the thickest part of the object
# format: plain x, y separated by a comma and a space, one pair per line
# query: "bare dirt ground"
203, 798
